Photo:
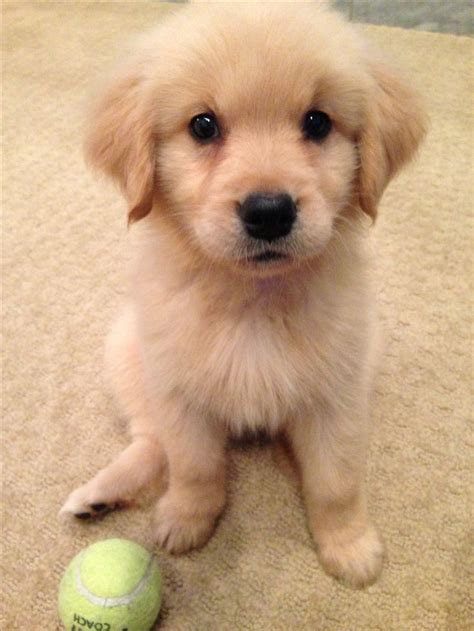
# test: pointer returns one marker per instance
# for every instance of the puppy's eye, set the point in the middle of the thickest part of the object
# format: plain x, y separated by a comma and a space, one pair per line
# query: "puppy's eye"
316, 125
204, 127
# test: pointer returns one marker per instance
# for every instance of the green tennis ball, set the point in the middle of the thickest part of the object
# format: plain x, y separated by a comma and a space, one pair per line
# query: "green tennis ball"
113, 585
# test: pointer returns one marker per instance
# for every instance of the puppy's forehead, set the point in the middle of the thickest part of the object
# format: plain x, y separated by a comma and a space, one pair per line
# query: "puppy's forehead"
264, 82
264, 61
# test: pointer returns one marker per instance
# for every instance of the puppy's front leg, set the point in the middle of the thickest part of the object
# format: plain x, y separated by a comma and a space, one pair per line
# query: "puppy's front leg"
195, 448
330, 450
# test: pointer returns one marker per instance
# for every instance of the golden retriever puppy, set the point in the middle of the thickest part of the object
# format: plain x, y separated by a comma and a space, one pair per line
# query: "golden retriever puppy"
249, 141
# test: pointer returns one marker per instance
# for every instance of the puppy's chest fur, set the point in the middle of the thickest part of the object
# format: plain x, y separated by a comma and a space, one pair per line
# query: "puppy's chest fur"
251, 362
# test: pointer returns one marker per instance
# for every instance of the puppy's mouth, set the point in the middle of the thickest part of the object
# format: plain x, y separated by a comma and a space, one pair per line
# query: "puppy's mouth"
269, 256
266, 261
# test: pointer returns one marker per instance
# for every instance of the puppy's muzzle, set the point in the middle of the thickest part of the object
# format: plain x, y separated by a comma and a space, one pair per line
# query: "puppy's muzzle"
267, 216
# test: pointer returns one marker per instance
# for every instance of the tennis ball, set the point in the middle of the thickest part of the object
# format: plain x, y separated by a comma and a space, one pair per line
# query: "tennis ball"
113, 585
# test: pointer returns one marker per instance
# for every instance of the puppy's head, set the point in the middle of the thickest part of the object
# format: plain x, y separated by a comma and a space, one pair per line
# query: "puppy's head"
250, 129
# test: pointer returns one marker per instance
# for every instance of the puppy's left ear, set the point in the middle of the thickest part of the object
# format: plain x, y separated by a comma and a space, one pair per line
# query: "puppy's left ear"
120, 139
393, 129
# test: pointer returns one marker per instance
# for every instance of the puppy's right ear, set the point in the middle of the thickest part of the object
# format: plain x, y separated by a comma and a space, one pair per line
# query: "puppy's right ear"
395, 124
120, 141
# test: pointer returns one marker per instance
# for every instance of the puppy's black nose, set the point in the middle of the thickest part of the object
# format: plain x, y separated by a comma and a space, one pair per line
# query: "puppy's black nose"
268, 216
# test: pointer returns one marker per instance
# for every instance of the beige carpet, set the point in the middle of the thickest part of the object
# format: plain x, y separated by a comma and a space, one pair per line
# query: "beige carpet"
63, 238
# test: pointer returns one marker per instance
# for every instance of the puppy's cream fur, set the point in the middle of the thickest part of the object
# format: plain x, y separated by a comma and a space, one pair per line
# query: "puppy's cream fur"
211, 343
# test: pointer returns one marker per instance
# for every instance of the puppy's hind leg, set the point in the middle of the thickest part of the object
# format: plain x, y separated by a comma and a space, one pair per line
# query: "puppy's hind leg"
115, 486
141, 462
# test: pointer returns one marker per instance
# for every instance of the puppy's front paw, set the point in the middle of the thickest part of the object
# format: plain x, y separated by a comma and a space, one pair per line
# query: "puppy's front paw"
357, 562
88, 503
177, 529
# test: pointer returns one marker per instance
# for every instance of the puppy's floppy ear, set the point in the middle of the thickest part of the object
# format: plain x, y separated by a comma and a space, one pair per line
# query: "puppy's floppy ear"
394, 127
120, 140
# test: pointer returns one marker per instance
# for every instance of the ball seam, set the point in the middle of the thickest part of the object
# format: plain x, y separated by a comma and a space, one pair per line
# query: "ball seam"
118, 601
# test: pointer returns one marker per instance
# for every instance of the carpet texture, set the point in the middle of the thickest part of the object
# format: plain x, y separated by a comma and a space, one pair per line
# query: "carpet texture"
63, 260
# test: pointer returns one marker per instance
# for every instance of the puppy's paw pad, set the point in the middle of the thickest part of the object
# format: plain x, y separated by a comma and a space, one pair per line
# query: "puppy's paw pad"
356, 563
80, 505
179, 532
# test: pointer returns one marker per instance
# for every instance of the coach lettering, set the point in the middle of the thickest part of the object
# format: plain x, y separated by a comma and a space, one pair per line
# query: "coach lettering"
89, 624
